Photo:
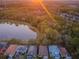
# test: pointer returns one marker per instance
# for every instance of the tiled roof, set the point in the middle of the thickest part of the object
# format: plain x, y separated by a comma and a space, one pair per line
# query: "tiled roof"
11, 50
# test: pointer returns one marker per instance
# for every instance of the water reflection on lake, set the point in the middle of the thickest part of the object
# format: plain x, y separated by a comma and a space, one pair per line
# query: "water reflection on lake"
9, 31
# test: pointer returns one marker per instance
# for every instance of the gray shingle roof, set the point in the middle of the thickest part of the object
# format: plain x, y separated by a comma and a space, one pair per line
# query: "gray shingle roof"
32, 51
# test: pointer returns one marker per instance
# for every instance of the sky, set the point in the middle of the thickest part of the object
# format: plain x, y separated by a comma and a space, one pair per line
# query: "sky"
4, 1
46, 0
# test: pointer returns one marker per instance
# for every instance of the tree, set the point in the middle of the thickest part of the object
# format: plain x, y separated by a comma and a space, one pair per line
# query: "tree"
14, 41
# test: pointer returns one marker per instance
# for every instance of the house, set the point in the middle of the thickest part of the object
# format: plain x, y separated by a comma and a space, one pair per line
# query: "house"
32, 52
54, 51
73, 16
10, 52
21, 49
43, 52
3, 47
64, 53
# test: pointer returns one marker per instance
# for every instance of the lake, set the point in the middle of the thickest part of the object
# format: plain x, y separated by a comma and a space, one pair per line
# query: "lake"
21, 32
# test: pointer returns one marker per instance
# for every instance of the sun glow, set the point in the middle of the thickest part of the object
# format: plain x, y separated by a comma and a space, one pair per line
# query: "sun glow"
37, 1
40, 2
